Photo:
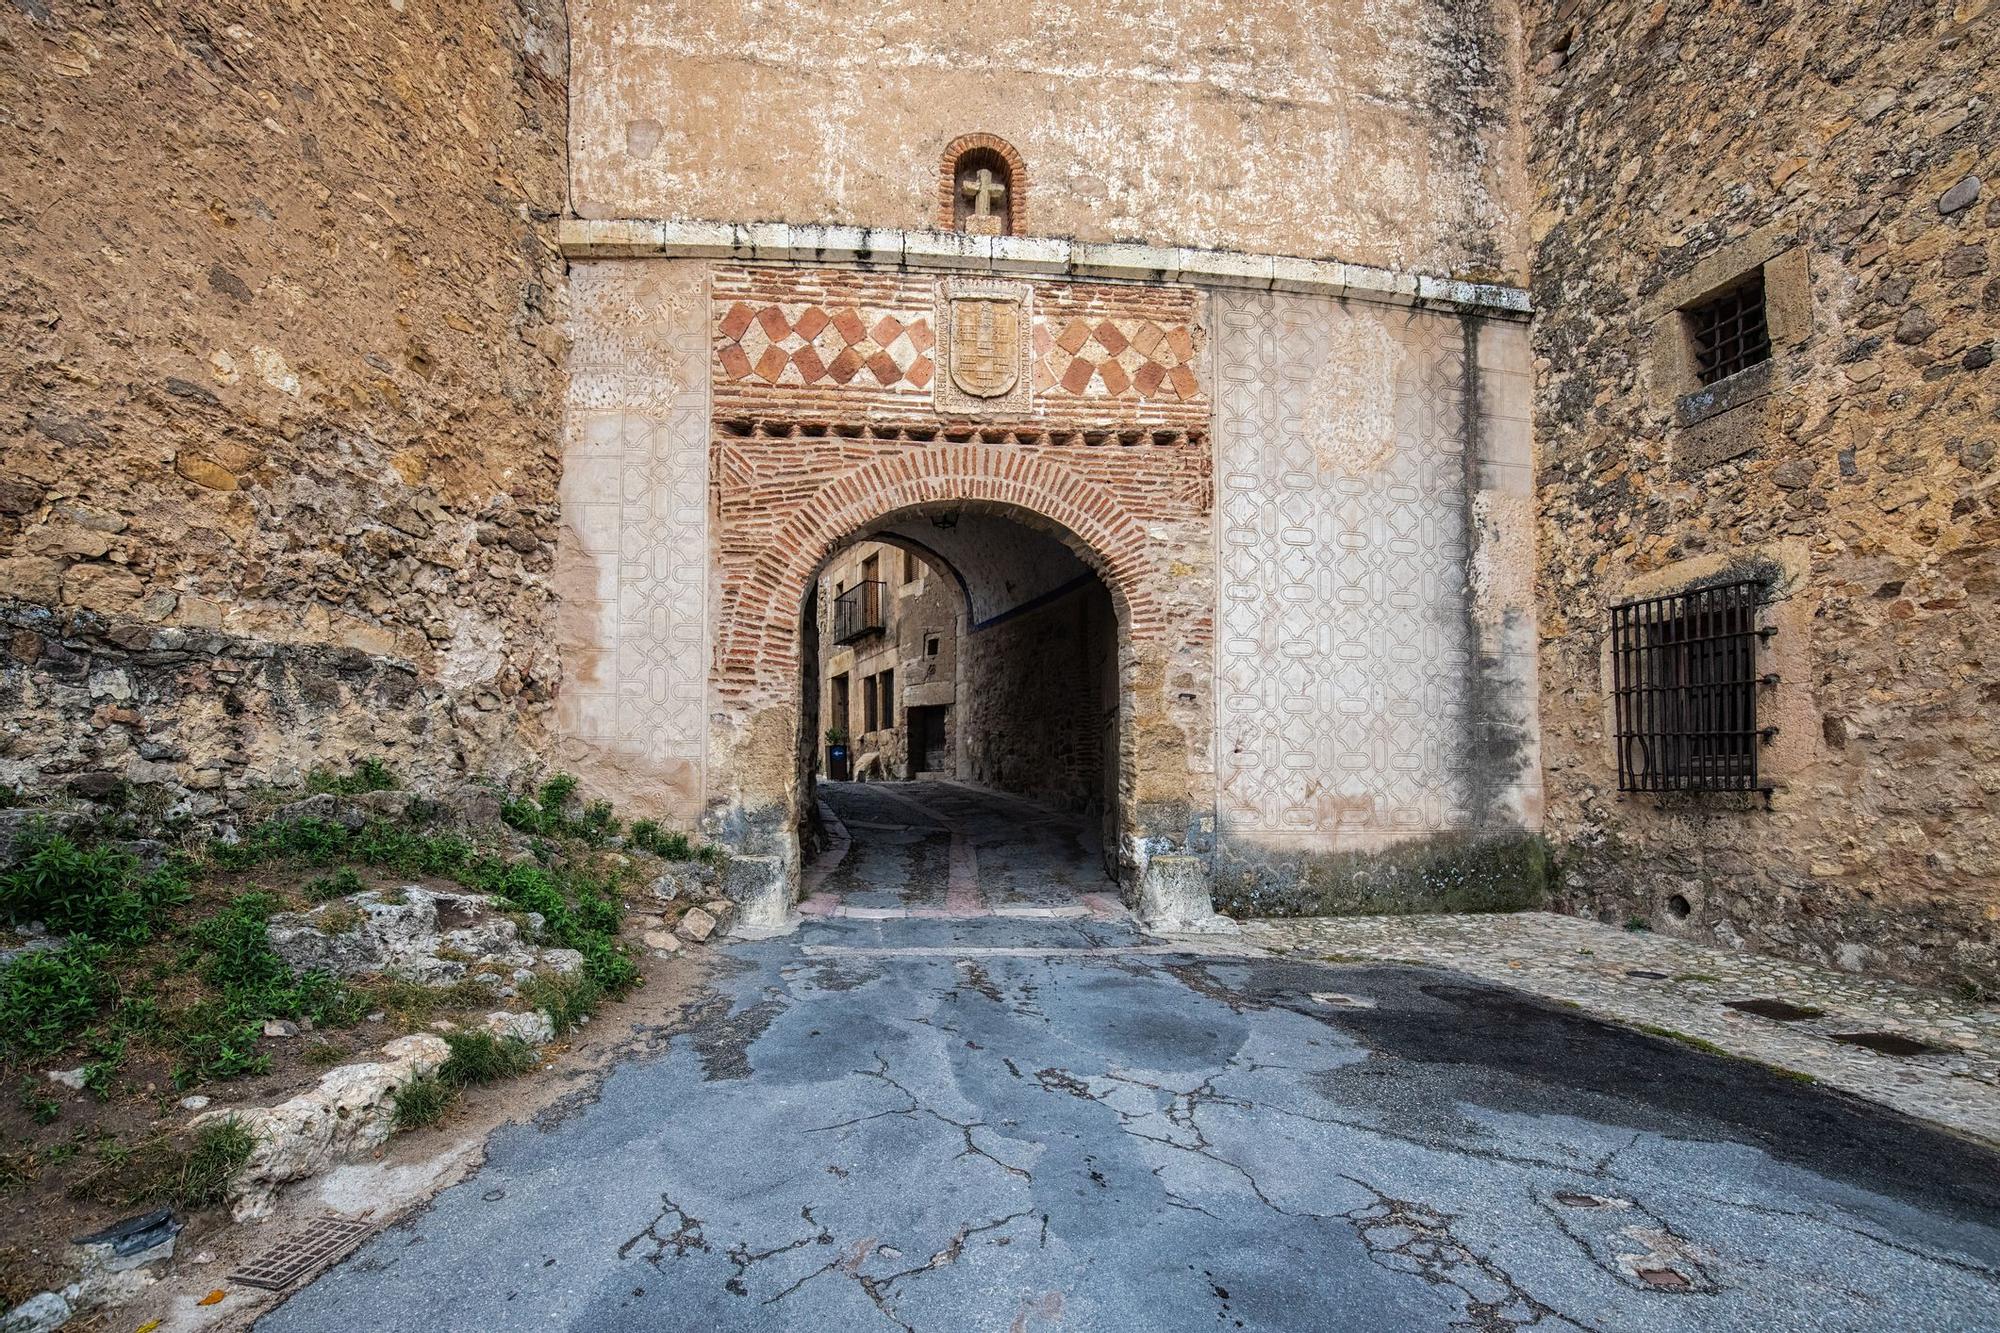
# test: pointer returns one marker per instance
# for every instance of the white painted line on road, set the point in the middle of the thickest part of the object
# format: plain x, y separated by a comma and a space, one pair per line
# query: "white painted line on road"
991, 951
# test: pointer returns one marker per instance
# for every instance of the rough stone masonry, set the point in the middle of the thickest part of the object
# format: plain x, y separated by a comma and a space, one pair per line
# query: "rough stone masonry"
1851, 158
281, 334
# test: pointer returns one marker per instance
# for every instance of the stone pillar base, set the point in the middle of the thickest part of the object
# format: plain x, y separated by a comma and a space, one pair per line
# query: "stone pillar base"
1174, 898
760, 886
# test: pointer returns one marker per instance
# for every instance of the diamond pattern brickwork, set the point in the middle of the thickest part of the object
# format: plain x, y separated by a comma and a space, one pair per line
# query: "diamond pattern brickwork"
1341, 560
844, 346
809, 343
1116, 358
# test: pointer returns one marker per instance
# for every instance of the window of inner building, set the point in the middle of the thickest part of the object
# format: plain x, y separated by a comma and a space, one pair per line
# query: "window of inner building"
888, 679
909, 567
1729, 330
1685, 682
869, 717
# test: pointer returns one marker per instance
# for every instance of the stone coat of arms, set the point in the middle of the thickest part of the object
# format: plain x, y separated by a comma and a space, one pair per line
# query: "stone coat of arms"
984, 326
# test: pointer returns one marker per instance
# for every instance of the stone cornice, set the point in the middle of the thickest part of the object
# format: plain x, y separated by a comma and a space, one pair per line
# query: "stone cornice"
1029, 256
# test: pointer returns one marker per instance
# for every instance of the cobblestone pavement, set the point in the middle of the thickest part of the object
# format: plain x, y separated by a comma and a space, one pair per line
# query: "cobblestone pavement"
1686, 989
948, 849
955, 1119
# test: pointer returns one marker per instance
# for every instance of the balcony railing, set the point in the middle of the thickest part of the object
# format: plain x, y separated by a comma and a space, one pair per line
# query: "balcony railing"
857, 612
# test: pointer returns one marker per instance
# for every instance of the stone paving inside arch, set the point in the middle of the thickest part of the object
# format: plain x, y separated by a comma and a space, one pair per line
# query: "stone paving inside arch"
959, 1120
948, 849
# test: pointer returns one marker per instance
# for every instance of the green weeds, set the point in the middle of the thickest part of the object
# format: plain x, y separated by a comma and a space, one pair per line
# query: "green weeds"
47, 998
95, 892
668, 845
218, 1038
341, 883
423, 1101
41, 1108
478, 1057
136, 975
547, 813
368, 775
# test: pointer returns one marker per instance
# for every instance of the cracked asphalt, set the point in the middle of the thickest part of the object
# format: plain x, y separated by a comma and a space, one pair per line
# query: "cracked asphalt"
988, 1122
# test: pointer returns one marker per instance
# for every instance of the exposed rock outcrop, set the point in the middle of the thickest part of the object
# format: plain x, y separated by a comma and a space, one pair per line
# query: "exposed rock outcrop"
423, 935
351, 1111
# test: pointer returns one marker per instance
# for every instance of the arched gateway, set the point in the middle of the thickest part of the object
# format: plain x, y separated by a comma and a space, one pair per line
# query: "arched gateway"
1307, 506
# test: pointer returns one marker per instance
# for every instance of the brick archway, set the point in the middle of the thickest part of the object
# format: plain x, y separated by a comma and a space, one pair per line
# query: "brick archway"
758, 643
785, 501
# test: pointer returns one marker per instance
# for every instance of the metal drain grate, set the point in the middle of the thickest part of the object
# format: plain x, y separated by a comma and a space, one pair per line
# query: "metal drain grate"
323, 1240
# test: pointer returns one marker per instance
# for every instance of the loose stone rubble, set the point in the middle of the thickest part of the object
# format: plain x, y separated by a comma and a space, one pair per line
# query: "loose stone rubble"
423, 935
112, 1266
702, 923
1680, 988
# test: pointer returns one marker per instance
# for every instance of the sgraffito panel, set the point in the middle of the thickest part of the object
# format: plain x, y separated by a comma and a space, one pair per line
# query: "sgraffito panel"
1343, 637
634, 571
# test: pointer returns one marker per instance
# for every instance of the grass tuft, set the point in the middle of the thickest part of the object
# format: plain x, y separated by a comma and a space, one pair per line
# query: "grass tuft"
368, 775
477, 1057
341, 883
324, 1053
423, 1101
566, 999
220, 1150
413, 1005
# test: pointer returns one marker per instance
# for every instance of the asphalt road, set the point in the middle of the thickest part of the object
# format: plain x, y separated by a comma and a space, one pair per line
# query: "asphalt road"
969, 1122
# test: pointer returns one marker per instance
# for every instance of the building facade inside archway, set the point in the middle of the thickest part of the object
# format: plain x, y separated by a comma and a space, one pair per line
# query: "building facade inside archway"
995, 665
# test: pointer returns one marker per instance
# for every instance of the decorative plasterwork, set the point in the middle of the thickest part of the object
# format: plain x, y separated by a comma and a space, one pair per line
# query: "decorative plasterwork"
1342, 650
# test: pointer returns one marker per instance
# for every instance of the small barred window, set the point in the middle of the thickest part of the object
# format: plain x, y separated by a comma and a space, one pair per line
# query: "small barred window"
1685, 683
1729, 331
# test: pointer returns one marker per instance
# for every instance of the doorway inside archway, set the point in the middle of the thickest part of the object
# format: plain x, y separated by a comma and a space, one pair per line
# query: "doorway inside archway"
960, 722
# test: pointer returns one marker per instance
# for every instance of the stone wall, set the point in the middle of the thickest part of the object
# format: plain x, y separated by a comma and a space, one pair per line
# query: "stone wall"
1839, 152
1379, 134
280, 340
1039, 709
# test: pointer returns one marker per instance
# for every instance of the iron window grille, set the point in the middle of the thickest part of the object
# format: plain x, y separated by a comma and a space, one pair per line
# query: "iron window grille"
858, 612
1729, 330
1685, 682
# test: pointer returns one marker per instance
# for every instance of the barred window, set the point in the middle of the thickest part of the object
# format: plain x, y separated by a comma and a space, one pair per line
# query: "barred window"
1729, 330
1685, 683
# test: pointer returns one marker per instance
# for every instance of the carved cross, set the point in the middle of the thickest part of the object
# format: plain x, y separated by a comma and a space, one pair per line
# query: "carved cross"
984, 191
